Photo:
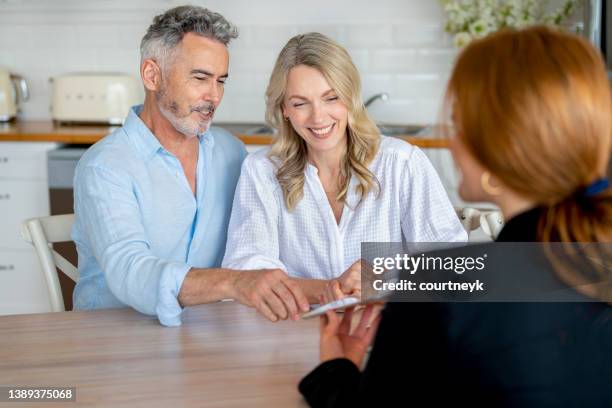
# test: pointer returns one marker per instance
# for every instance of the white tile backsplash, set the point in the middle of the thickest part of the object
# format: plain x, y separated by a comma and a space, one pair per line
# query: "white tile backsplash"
6, 58
50, 36
246, 85
418, 35
369, 36
372, 84
393, 61
269, 37
361, 59
398, 45
241, 109
252, 60
417, 86
97, 36
435, 60
334, 31
122, 60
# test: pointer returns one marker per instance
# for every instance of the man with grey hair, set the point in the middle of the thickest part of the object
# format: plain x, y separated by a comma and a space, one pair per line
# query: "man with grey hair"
153, 199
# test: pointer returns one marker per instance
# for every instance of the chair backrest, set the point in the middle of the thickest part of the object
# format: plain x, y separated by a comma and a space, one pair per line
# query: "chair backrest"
489, 221
492, 222
469, 217
41, 233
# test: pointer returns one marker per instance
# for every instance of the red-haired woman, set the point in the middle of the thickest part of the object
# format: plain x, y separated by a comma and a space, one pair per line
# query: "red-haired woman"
532, 120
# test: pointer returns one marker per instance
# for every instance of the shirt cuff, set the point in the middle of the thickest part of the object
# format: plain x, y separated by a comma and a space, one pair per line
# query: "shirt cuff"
168, 308
254, 262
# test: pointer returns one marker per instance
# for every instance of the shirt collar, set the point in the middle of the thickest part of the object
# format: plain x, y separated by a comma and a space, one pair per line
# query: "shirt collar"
145, 140
352, 196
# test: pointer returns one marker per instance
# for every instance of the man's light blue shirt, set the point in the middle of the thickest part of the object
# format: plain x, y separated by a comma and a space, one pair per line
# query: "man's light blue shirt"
139, 228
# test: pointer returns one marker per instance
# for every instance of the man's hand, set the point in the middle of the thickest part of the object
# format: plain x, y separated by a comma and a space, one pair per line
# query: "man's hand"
271, 292
347, 284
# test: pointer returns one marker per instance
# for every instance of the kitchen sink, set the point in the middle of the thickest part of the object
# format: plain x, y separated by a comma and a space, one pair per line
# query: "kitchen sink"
260, 130
402, 130
246, 128
387, 130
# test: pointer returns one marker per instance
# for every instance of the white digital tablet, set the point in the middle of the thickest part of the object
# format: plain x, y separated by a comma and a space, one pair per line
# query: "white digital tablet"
335, 305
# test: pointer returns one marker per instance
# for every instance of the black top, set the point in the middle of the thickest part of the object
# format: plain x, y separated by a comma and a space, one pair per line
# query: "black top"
472, 354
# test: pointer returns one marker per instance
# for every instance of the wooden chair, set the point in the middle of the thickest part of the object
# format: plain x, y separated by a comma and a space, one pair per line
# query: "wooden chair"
41, 233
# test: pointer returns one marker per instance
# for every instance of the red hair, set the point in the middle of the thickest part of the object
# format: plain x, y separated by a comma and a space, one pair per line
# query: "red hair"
534, 108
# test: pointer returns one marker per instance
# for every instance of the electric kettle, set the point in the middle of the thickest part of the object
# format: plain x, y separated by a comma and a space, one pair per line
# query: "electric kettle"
13, 92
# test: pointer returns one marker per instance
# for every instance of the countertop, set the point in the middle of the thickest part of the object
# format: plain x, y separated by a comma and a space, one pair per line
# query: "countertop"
49, 131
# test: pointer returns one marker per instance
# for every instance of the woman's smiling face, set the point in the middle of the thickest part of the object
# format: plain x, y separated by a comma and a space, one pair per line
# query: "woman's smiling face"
315, 110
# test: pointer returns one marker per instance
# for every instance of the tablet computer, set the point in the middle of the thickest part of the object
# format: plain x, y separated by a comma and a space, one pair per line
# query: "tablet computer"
335, 305
341, 304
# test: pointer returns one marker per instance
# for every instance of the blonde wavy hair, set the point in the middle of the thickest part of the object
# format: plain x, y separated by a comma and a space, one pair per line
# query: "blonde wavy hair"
289, 150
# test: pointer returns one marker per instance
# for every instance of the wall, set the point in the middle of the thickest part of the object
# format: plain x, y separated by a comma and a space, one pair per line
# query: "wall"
398, 45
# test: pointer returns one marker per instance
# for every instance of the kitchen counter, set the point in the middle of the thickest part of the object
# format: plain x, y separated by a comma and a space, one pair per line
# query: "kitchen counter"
49, 131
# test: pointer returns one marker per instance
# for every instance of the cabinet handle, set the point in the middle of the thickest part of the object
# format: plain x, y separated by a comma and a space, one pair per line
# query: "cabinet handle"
4, 160
5, 196
8, 267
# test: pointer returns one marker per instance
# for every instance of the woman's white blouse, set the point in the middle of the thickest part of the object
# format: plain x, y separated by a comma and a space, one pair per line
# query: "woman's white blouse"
308, 243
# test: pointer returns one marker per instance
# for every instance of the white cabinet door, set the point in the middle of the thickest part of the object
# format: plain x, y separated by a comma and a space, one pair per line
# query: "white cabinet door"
28, 168
22, 160
19, 200
22, 285
24, 193
26, 149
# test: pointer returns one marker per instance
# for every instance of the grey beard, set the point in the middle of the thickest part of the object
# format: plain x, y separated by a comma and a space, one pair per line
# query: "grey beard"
179, 125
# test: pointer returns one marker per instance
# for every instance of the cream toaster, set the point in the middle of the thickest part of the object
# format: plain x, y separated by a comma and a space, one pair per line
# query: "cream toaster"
94, 97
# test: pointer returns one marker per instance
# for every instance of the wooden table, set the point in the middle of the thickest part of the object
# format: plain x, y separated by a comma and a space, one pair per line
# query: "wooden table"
224, 355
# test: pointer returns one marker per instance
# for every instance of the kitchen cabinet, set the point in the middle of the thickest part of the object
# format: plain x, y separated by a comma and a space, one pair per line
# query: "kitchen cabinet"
20, 199
24, 194
22, 286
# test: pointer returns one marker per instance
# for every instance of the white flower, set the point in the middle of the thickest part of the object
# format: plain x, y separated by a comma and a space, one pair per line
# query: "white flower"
461, 39
469, 19
491, 23
479, 29
510, 22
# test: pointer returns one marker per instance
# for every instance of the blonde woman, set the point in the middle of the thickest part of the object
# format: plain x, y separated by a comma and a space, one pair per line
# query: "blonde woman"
330, 181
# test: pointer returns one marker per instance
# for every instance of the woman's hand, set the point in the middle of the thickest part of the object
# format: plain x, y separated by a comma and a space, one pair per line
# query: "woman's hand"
337, 340
347, 284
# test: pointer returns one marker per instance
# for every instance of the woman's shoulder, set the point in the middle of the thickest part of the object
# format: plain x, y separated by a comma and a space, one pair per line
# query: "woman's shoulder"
260, 163
395, 150
259, 159
393, 146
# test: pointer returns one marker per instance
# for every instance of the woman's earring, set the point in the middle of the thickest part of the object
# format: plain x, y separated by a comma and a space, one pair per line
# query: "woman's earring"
286, 118
485, 182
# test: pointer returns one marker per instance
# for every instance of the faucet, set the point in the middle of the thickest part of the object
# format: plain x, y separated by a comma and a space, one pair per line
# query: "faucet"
383, 96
